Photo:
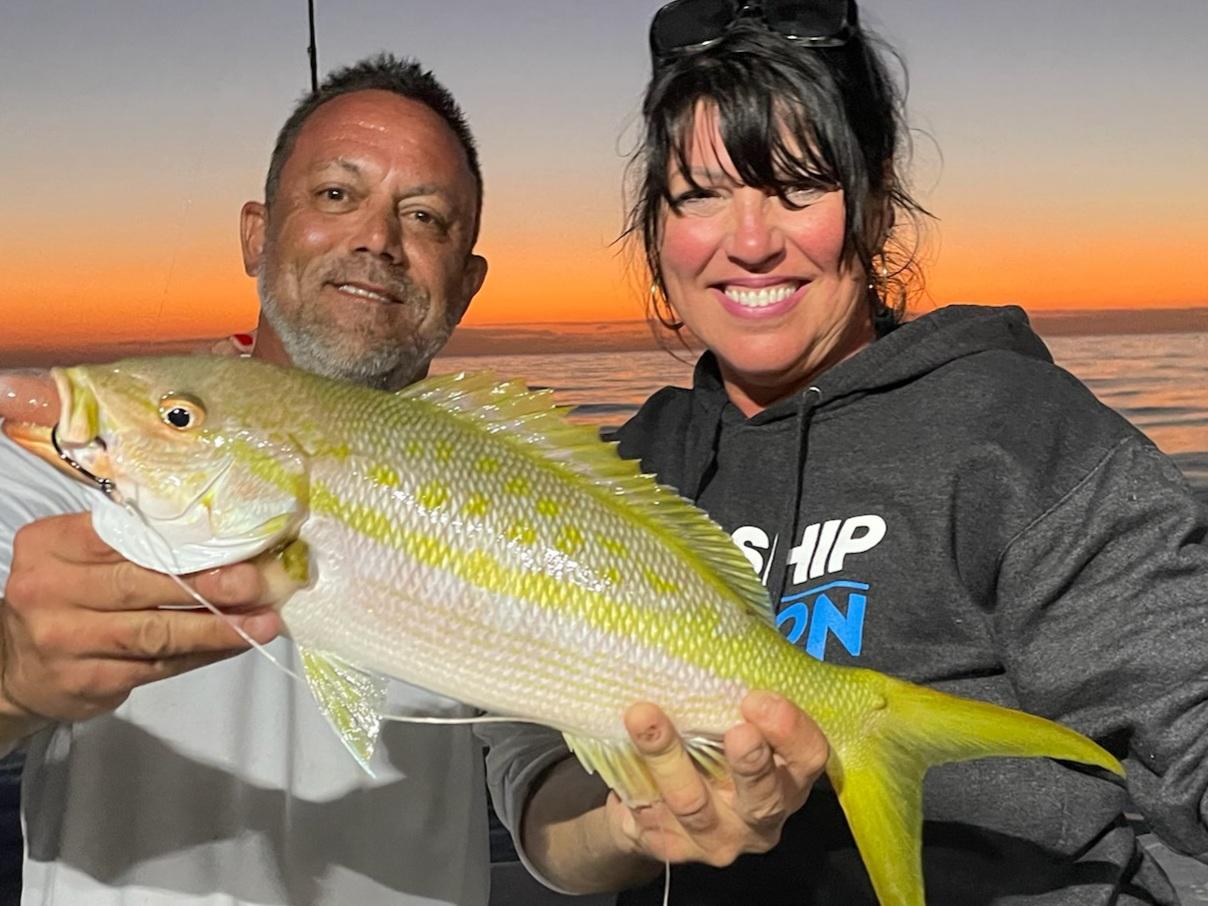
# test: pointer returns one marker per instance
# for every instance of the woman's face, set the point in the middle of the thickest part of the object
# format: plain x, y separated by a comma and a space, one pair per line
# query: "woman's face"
760, 283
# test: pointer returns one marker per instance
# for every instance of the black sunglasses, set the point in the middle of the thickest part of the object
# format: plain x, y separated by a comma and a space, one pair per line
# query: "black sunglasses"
686, 25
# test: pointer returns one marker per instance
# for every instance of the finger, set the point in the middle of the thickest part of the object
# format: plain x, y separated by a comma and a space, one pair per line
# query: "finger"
127, 586
28, 396
792, 734
238, 586
69, 538
683, 790
159, 635
760, 798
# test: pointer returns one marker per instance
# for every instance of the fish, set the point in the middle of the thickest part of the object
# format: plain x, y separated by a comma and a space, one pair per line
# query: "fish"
464, 536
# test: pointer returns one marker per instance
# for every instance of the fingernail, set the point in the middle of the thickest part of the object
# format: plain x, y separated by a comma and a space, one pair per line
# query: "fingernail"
261, 627
650, 736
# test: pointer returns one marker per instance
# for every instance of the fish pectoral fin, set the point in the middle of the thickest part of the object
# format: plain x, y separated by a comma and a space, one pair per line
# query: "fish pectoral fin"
351, 700
622, 768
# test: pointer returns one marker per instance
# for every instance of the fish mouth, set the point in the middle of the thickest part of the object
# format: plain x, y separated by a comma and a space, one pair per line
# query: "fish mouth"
76, 432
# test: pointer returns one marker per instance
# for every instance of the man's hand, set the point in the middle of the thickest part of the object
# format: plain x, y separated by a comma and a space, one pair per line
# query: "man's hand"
774, 757
80, 627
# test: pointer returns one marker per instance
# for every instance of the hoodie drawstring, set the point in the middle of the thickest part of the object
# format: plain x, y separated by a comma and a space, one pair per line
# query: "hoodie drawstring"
806, 407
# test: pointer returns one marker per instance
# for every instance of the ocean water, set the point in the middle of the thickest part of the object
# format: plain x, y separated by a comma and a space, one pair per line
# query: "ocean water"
1159, 382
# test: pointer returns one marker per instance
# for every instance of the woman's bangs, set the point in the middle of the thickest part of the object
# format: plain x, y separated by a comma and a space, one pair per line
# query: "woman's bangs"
773, 147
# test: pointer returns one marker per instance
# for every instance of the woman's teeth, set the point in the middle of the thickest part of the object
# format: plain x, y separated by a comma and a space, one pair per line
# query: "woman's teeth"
760, 298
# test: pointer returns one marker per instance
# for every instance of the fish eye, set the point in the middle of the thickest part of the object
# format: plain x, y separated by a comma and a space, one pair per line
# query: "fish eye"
181, 411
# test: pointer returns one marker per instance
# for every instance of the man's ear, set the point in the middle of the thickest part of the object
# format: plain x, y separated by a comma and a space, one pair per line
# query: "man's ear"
471, 283
253, 221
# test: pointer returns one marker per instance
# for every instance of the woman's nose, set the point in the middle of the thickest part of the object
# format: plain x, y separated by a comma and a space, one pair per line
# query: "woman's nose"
756, 238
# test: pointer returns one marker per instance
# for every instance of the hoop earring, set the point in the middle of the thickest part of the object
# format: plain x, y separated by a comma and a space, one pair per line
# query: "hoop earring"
659, 304
880, 277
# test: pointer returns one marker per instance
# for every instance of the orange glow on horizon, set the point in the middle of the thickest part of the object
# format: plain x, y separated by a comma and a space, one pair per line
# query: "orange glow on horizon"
203, 291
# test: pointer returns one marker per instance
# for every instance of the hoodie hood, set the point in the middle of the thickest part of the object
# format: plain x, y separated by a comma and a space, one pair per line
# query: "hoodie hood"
911, 351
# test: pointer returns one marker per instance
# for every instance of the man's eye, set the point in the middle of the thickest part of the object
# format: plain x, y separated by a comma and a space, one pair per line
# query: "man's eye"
333, 193
425, 218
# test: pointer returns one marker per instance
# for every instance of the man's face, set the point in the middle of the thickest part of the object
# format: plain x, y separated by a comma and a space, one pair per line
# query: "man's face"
363, 259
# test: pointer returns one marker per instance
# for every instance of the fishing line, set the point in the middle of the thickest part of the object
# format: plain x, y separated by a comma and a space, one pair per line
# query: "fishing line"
484, 719
666, 866
172, 571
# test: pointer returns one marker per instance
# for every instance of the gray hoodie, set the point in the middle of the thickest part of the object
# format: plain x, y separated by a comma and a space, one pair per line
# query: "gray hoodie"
950, 507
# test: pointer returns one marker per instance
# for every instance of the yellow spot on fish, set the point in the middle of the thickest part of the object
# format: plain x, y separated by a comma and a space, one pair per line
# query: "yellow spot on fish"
480, 564
658, 583
488, 465
569, 540
522, 533
477, 505
384, 475
613, 546
442, 451
612, 575
413, 449
547, 506
340, 452
519, 485
432, 495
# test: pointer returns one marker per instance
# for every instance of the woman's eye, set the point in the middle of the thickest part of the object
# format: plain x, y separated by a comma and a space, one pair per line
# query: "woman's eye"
800, 196
693, 198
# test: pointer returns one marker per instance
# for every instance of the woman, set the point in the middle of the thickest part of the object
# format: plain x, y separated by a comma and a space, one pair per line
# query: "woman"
933, 499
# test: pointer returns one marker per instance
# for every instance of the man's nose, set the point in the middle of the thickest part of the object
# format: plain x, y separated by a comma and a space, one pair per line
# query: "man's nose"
379, 233
756, 236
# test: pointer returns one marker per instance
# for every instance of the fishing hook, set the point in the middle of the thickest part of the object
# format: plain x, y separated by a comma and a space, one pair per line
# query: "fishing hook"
105, 484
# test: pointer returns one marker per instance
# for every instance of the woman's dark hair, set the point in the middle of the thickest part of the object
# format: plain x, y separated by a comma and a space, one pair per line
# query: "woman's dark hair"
789, 115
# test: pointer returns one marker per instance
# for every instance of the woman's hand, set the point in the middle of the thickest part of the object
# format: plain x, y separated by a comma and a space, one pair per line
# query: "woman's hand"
775, 756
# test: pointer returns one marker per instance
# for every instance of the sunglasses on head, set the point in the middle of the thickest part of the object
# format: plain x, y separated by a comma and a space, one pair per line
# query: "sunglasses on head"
686, 25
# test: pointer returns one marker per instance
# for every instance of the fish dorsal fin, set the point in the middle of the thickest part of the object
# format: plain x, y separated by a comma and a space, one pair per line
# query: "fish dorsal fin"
350, 699
532, 419
621, 767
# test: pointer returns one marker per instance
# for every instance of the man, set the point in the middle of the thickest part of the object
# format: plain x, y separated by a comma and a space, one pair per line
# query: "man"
151, 780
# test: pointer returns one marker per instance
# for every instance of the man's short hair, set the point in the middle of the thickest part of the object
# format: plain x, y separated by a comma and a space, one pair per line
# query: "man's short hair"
384, 72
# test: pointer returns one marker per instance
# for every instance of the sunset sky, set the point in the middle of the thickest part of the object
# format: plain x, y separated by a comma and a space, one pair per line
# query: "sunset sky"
1064, 149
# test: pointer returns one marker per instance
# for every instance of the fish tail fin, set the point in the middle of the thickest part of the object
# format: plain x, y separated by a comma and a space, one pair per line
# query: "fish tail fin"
879, 778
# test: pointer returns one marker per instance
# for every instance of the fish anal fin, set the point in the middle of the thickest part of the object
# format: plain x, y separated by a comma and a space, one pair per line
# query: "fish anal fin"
351, 700
622, 768
707, 752
618, 764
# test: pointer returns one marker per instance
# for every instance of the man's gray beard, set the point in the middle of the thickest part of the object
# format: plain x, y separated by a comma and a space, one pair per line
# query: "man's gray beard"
387, 368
